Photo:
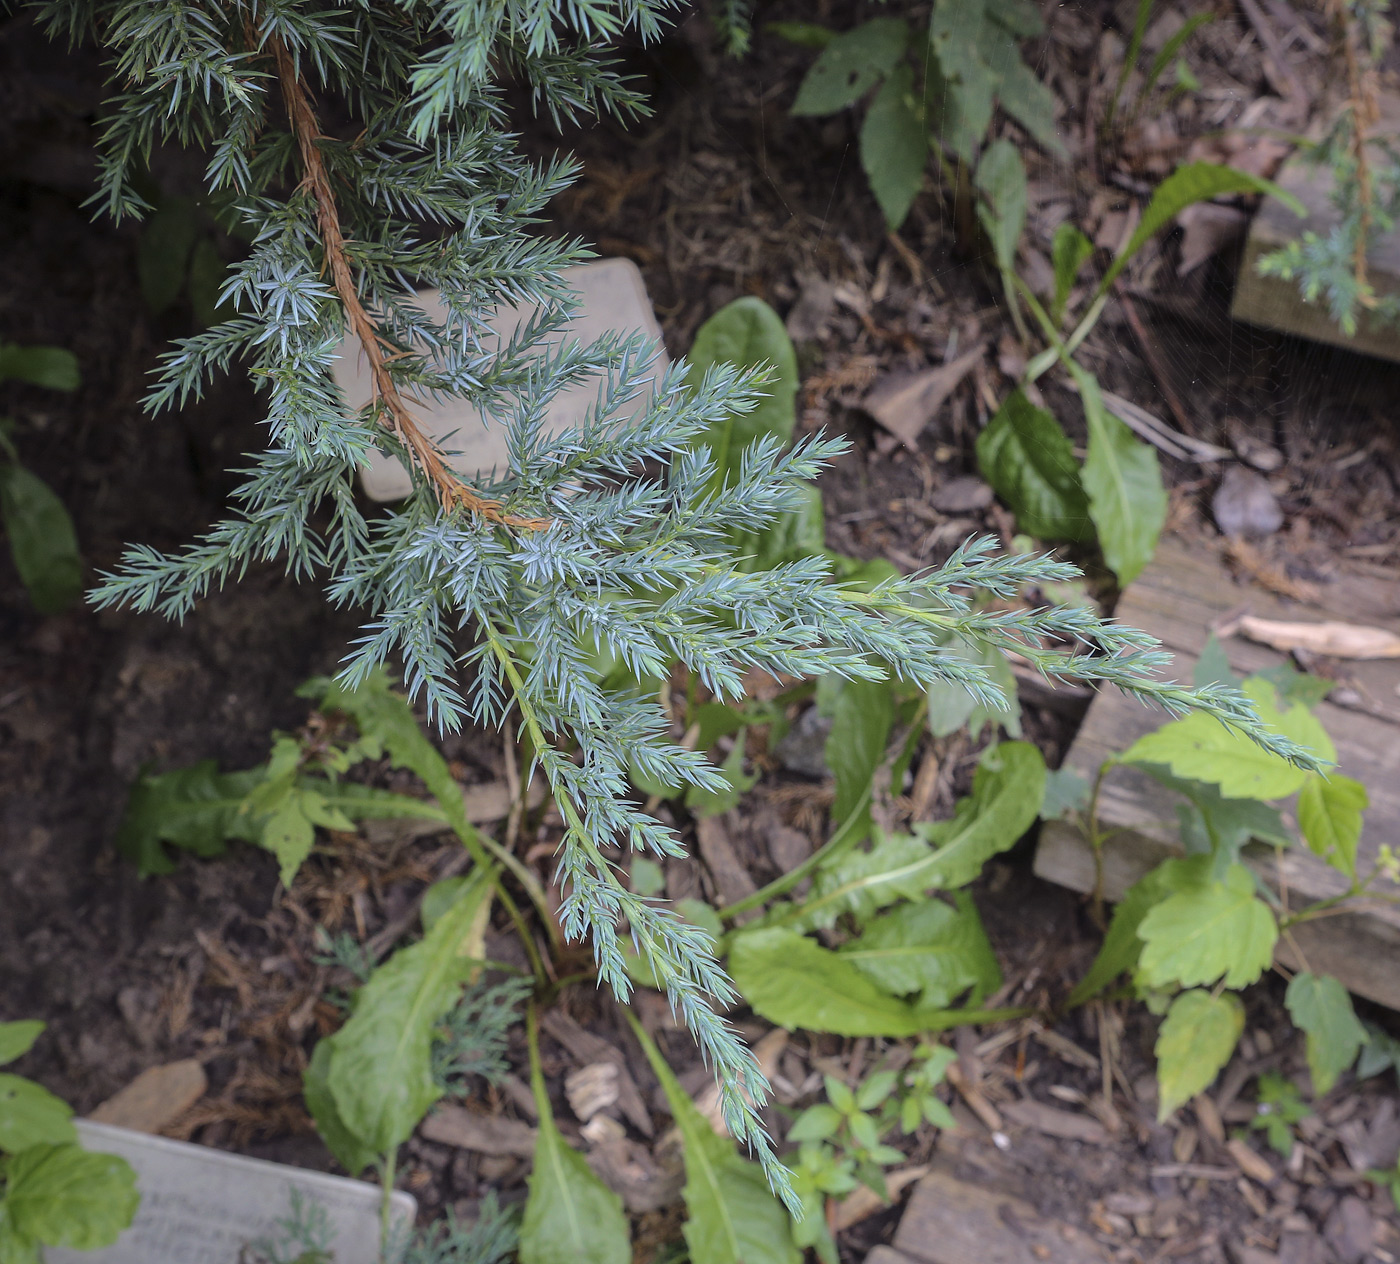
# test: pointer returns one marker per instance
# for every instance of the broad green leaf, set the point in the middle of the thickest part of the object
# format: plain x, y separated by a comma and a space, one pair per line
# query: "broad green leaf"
350, 1152
1321, 1007
1329, 814
705, 802
1201, 748
950, 706
571, 1217
163, 252
646, 877
30, 1115
894, 146
63, 1195
1213, 666
43, 543
193, 808
1206, 931
732, 1216
1007, 791
1121, 945
1001, 179
16, 1248
929, 948
747, 333
381, 713
803, 34
1027, 458
381, 1067
794, 982
288, 834
1217, 826
1065, 791
960, 86
850, 65
1188, 184
53, 367
1196, 1040
1380, 1053
207, 275
1069, 251
17, 1039
863, 881
862, 713
1127, 500
1030, 102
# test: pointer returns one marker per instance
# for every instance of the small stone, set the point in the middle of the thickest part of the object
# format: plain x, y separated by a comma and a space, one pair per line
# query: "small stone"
1245, 505
803, 748
155, 1098
962, 495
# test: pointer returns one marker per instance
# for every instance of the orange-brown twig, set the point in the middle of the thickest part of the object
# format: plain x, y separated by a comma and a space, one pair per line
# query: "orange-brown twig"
451, 491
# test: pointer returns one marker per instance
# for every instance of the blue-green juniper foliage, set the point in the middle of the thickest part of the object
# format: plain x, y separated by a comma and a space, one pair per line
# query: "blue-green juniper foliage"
612, 537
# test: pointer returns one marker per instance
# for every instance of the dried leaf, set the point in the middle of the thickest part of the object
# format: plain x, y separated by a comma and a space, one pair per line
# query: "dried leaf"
904, 403
1331, 639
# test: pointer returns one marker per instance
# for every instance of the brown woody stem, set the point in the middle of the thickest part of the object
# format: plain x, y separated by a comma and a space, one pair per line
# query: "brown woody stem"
393, 413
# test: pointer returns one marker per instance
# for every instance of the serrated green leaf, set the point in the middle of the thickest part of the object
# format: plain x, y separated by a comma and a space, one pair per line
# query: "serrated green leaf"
63, 1195
350, 1152
195, 809
380, 1072
1201, 748
1121, 475
1218, 826
794, 982
571, 1217
1196, 1040
1206, 931
1031, 103
1329, 814
163, 252
850, 65
1001, 179
1321, 1007
1069, 251
746, 333
862, 713
288, 834
929, 948
1295, 686
1028, 459
894, 146
43, 542
16, 1248
30, 1115
17, 1039
863, 881
1188, 184
53, 367
731, 1213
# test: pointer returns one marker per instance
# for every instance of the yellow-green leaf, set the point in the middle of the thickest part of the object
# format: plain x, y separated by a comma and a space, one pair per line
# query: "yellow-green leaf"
1208, 930
1196, 1039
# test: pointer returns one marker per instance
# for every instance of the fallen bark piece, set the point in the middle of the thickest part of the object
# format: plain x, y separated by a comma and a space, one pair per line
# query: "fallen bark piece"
904, 403
591, 1089
584, 1047
155, 1098
1250, 1163
1056, 1123
1331, 639
629, 1169
949, 1221
485, 1134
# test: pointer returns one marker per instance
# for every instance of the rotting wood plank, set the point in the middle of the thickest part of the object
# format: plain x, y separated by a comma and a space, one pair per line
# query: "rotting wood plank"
1275, 303
1178, 598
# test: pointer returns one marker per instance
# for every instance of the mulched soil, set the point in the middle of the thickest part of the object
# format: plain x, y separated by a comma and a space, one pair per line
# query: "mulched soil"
719, 194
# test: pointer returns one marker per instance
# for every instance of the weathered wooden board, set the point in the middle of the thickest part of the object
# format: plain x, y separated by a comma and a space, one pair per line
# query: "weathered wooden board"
1178, 598
1276, 303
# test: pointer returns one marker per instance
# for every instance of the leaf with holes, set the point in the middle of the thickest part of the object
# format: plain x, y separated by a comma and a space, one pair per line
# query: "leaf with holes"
1197, 1038
850, 65
30, 1115
1321, 1007
1027, 458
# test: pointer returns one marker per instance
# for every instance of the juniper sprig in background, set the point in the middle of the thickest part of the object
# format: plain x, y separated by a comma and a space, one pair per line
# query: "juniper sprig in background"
616, 539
